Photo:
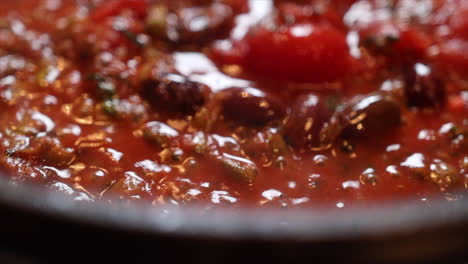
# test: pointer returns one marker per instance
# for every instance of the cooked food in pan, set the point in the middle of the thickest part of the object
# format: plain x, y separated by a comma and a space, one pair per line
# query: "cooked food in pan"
309, 103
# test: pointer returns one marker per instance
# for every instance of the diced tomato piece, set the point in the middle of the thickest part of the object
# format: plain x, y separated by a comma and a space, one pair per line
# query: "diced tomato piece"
228, 52
413, 43
453, 56
113, 7
459, 22
300, 53
457, 103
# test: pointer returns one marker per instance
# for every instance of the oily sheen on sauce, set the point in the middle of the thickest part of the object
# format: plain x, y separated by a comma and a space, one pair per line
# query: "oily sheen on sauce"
236, 102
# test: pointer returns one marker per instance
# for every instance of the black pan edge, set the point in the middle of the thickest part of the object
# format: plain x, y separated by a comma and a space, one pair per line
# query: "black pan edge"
394, 219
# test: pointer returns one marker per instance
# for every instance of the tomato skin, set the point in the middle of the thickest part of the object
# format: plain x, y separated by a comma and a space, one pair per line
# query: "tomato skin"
113, 7
456, 103
227, 52
300, 53
412, 43
459, 23
453, 56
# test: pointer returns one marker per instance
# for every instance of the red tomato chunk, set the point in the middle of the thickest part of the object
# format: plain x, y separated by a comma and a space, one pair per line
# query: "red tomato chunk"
299, 53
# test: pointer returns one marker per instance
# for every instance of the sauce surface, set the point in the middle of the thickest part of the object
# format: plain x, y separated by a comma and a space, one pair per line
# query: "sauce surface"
307, 103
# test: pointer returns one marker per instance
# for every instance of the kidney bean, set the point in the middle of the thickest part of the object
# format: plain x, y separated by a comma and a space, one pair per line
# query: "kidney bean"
422, 87
250, 106
174, 93
192, 24
368, 116
308, 124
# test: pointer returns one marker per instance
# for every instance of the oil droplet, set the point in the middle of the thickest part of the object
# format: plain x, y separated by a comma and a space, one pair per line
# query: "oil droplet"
320, 160
443, 174
368, 177
464, 164
452, 197
392, 170
315, 180
350, 185
272, 194
280, 162
415, 165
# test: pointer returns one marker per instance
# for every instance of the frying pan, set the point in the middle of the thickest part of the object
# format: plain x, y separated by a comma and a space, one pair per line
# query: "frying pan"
52, 227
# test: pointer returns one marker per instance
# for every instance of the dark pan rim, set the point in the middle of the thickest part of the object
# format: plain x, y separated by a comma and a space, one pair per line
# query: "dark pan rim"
388, 219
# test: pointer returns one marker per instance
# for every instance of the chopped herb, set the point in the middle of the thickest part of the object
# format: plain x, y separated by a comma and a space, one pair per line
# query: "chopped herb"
110, 106
41, 76
134, 38
104, 84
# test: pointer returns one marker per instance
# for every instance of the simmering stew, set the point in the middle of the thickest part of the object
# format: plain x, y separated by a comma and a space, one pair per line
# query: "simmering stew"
304, 103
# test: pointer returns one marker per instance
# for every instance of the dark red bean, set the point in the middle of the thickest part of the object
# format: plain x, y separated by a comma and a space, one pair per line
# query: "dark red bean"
308, 124
422, 87
250, 106
175, 93
368, 116
403, 43
189, 25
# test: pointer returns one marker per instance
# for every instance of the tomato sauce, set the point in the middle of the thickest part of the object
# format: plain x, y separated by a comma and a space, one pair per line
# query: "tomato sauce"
267, 103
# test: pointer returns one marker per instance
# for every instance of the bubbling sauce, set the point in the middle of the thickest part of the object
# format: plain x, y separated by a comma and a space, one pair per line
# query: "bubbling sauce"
236, 103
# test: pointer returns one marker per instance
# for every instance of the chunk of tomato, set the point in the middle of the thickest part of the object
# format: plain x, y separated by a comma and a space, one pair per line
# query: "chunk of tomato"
457, 103
227, 52
300, 53
453, 56
413, 43
459, 22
